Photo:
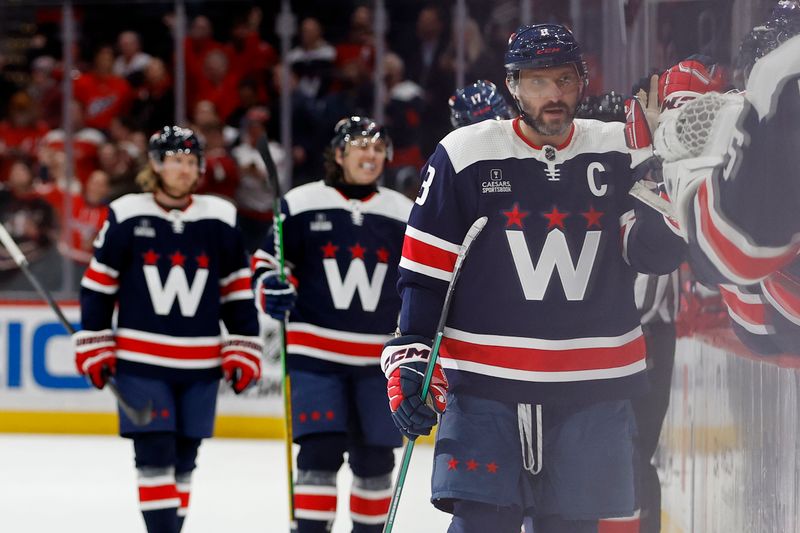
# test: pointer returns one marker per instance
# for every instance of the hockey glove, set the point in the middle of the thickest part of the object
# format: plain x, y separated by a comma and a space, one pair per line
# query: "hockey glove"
690, 78
404, 361
95, 355
276, 297
637, 130
241, 361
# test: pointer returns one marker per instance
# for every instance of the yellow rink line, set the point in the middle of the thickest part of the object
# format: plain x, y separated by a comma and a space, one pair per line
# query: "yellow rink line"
667, 525
243, 427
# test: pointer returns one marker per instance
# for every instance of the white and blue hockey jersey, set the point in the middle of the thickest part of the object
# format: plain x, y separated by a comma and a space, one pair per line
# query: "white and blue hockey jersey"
174, 274
544, 307
344, 254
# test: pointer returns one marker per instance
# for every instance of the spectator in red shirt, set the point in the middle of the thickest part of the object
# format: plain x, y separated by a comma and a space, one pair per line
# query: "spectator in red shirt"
45, 91
103, 94
359, 47
20, 133
197, 45
250, 56
219, 85
222, 173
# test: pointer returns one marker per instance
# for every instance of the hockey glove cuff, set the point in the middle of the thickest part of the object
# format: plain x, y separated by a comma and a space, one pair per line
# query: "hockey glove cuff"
95, 355
404, 361
275, 297
241, 361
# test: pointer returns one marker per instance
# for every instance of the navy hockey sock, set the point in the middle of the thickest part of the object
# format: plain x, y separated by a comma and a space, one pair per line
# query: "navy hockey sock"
369, 502
158, 499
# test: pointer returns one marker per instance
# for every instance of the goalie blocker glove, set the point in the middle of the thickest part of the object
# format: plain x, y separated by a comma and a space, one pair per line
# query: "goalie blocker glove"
404, 361
95, 355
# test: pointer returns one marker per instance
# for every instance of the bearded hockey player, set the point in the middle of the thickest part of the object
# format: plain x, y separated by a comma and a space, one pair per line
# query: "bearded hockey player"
343, 238
174, 265
476, 103
543, 349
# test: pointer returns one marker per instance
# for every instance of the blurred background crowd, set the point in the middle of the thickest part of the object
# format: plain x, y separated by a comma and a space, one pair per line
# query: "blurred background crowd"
83, 84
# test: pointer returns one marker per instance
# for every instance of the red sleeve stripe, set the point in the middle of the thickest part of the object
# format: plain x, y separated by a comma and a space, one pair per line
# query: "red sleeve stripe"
236, 288
783, 294
429, 255
299, 339
730, 251
747, 310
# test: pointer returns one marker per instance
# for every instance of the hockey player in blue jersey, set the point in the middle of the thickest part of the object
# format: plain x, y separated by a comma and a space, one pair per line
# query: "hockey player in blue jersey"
343, 238
543, 349
478, 102
174, 265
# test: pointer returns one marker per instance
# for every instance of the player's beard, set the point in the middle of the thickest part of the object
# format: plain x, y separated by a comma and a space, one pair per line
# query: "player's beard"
176, 193
540, 126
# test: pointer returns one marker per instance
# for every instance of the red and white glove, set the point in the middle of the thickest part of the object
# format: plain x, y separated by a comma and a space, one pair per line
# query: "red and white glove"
404, 361
95, 355
241, 361
637, 128
688, 79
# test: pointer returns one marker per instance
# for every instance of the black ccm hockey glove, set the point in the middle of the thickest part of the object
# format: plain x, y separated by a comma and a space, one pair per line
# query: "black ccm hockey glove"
404, 360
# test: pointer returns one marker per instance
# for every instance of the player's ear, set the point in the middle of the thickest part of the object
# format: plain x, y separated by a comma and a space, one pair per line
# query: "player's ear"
338, 156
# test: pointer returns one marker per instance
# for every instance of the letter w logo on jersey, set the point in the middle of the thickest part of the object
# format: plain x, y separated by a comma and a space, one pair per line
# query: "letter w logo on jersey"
176, 286
555, 255
343, 290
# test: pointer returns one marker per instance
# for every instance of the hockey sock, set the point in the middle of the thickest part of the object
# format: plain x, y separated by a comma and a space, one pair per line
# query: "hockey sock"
369, 502
186, 453
476, 517
315, 500
183, 483
158, 499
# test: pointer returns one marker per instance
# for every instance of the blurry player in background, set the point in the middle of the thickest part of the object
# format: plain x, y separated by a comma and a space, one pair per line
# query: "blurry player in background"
541, 367
342, 241
174, 265
476, 103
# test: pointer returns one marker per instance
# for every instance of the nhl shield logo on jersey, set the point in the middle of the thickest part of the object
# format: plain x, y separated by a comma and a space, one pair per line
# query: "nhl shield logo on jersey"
496, 183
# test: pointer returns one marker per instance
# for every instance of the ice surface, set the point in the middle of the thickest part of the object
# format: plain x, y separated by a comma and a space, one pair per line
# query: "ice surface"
87, 484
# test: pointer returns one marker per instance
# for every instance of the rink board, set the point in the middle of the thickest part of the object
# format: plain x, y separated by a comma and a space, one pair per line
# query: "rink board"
41, 391
729, 449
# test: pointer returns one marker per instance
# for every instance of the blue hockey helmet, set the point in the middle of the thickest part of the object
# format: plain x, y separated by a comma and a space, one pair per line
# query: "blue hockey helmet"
478, 102
355, 129
543, 46
175, 139
782, 26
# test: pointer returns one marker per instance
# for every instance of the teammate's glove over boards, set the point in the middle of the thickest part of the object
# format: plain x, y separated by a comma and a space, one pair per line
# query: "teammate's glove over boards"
695, 75
404, 361
241, 361
95, 355
275, 297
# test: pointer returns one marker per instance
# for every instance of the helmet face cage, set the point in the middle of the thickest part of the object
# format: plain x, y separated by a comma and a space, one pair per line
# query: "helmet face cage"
542, 46
360, 131
763, 39
478, 102
172, 140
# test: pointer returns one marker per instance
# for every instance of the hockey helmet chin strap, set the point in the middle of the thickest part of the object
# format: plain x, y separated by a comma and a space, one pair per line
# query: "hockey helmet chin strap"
530, 437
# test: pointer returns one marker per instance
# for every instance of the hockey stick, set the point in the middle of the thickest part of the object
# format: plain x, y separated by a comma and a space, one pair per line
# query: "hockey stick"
140, 417
472, 234
651, 199
277, 224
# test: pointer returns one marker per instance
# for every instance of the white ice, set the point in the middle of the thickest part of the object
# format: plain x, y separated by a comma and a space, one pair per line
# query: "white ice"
87, 484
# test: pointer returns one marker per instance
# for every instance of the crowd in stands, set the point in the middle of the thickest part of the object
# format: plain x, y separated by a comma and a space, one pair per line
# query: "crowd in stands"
124, 90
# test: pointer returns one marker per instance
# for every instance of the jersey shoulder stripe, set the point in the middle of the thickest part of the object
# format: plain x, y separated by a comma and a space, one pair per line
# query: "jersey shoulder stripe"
318, 196
498, 139
203, 207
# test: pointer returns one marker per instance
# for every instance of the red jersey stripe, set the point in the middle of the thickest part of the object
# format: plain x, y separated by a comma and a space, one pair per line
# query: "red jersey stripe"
429, 255
538, 360
332, 345
168, 350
